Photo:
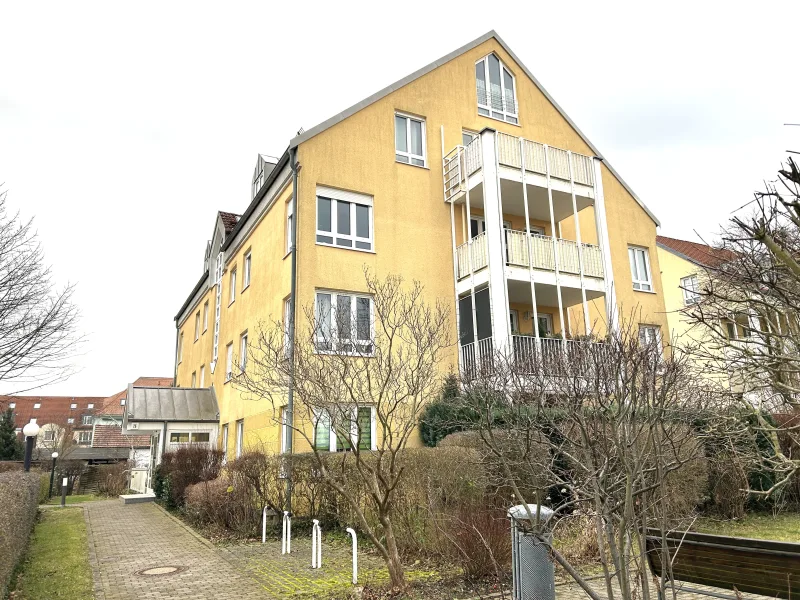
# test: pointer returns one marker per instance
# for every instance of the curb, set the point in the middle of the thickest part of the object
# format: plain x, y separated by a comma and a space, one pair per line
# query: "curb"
97, 588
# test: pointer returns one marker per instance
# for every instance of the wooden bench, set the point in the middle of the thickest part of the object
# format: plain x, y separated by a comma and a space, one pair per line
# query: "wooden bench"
760, 567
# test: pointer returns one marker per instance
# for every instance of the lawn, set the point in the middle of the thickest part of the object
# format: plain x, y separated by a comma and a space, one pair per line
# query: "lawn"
57, 562
76, 499
784, 527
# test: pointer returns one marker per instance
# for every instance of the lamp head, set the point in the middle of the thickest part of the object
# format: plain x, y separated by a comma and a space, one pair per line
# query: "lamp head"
30, 430
54, 455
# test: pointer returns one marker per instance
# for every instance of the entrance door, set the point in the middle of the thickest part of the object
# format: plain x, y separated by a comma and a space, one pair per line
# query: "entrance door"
514, 317
545, 324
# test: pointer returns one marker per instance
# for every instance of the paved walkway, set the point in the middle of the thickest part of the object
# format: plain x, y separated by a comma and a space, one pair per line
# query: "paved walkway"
125, 539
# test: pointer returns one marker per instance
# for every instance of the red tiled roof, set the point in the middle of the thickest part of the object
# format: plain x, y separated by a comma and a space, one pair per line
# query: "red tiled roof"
698, 253
52, 409
229, 220
110, 436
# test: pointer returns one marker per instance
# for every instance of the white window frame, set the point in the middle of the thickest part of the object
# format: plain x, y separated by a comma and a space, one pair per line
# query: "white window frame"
205, 316
243, 351
239, 437
37, 406
373, 442
225, 441
12, 405
228, 362
289, 219
197, 326
656, 333
232, 284
194, 379
90, 405
287, 307
248, 261
180, 349
690, 288
87, 419
70, 421
202, 376
73, 406
640, 284
49, 435
353, 198
337, 343
408, 154
85, 437
486, 110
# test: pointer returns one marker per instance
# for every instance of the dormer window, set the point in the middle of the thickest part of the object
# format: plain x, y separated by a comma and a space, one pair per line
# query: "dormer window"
258, 179
496, 90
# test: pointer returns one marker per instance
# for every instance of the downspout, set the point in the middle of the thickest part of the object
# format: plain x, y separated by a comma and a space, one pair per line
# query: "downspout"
177, 341
292, 302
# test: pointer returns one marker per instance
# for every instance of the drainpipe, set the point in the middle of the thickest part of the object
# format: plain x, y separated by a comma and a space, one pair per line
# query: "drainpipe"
292, 302
177, 341
163, 440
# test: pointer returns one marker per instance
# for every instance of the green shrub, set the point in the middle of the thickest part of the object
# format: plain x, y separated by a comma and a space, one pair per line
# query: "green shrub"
443, 416
19, 498
113, 479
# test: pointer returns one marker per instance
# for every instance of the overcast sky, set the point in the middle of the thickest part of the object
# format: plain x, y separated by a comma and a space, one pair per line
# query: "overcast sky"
125, 126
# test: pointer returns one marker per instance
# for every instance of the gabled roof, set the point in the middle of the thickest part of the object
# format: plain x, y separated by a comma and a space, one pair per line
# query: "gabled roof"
171, 404
699, 254
317, 129
52, 409
229, 220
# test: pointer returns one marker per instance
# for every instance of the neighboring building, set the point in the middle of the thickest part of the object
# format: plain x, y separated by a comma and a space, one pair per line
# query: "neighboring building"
684, 265
63, 420
83, 428
169, 418
466, 176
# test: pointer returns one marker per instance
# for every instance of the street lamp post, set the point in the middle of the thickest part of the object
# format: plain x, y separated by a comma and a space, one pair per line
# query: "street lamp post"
30, 431
52, 474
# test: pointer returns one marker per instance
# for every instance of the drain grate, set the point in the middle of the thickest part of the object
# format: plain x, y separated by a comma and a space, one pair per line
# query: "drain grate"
165, 570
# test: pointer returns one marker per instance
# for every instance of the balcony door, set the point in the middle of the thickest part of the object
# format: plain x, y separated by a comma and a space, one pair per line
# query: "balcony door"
513, 316
545, 324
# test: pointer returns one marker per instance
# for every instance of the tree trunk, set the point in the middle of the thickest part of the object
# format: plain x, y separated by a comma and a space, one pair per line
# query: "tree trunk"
393, 563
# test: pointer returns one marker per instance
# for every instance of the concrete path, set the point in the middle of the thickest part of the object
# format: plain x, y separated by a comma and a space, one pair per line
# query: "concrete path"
127, 539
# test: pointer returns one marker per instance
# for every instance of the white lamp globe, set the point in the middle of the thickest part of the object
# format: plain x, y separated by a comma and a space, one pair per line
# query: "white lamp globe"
54, 455
30, 430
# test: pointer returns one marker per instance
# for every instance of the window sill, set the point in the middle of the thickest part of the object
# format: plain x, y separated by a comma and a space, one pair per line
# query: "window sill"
645, 291
501, 120
342, 248
288, 254
425, 166
245, 288
231, 303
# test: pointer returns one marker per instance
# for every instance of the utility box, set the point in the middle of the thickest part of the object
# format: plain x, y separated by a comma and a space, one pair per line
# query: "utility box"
533, 571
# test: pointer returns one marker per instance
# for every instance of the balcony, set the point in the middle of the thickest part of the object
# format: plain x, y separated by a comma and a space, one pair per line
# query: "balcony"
464, 161
550, 356
540, 256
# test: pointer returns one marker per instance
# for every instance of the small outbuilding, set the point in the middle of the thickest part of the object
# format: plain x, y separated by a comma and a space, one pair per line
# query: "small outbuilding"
173, 417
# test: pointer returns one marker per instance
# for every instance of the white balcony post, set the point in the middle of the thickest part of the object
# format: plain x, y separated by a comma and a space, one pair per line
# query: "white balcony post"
528, 242
605, 251
493, 217
555, 246
455, 259
570, 160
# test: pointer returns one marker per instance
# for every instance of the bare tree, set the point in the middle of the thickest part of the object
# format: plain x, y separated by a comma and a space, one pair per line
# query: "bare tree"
749, 309
38, 322
363, 367
600, 428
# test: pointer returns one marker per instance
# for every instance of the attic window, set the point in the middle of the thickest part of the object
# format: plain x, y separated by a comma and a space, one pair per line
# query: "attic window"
122, 402
496, 90
73, 406
37, 405
90, 405
12, 405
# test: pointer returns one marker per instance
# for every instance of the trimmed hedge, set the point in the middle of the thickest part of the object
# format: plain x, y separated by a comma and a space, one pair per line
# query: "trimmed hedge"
19, 500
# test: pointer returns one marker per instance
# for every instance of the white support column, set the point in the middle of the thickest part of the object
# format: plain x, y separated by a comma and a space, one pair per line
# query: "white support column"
493, 216
605, 249
455, 267
536, 339
555, 246
580, 244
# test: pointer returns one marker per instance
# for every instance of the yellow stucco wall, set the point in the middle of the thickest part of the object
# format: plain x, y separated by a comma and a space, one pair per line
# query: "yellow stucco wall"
411, 221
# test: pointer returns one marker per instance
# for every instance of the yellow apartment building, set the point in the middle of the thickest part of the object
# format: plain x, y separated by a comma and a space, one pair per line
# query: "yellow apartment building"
466, 176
